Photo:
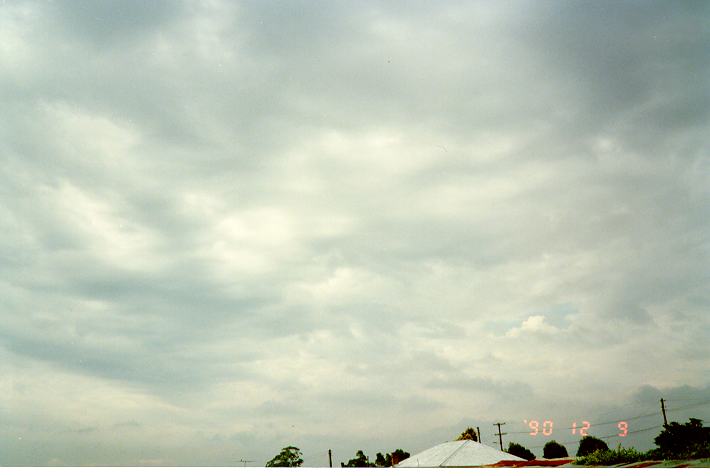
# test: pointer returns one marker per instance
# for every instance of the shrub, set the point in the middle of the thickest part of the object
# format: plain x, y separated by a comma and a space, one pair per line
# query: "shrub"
590, 444
468, 434
388, 460
607, 457
689, 440
360, 461
553, 449
521, 451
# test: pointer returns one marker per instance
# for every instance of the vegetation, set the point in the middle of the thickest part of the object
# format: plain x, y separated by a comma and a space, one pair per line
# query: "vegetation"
389, 460
602, 457
289, 457
677, 441
689, 440
589, 445
553, 449
521, 451
686, 441
468, 434
360, 461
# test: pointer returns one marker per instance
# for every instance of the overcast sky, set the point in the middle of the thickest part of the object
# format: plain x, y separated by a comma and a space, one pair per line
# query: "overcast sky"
227, 227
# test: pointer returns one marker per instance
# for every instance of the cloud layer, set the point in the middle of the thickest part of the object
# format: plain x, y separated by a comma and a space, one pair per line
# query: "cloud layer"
230, 227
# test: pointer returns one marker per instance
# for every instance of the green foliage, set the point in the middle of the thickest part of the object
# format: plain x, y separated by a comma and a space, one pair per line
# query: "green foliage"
389, 460
686, 441
382, 461
399, 455
607, 457
590, 444
289, 457
468, 434
360, 461
553, 449
521, 451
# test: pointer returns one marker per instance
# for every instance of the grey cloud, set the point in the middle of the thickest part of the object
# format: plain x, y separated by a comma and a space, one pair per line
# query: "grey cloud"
239, 215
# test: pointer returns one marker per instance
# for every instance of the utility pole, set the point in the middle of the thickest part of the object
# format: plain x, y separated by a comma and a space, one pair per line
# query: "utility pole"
500, 435
663, 410
478, 430
330, 458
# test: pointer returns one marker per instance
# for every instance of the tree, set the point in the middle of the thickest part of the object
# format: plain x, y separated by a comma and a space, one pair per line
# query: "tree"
468, 434
553, 449
399, 455
689, 440
521, 451
590, 444
360, 461
389, 460
289, 457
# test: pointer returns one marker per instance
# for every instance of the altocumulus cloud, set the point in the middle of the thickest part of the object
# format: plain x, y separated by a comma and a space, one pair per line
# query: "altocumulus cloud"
230, 227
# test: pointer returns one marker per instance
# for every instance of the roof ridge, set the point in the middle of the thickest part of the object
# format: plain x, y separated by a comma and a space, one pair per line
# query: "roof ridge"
463, 443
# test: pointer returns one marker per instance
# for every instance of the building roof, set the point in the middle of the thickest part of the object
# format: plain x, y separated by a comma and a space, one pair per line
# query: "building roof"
457, 454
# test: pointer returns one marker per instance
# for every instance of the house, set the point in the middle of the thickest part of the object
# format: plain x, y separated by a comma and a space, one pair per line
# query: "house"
457, 454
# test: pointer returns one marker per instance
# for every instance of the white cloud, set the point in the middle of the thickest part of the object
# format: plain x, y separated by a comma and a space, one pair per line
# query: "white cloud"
532, 325
231, 228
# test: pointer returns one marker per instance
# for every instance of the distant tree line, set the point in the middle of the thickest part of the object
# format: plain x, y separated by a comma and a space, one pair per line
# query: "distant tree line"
676, 441
381, 461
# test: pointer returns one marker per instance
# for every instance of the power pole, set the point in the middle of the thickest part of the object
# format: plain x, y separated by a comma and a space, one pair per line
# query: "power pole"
500, 435
663, 410
330, 458
478, 430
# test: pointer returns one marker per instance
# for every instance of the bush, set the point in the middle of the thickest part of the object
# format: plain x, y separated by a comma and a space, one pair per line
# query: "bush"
589, 445
468, 434
521, 451
689, 440
389, 460
553, 449
602, 457
360, 461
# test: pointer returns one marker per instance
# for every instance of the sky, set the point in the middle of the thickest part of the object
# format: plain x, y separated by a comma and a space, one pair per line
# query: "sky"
228, 227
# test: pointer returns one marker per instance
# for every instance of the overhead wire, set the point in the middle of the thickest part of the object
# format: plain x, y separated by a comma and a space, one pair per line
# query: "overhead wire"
610, 422
606, 436
692, 405
627, 419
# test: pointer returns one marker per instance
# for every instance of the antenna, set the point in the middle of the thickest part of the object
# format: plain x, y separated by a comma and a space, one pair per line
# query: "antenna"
245, 461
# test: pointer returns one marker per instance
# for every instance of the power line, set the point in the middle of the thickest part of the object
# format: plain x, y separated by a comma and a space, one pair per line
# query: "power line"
597, 424
692, 405
606, 437
633, 418
617, 407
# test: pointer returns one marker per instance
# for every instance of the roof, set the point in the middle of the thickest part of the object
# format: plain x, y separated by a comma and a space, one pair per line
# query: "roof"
457, 454
539, 463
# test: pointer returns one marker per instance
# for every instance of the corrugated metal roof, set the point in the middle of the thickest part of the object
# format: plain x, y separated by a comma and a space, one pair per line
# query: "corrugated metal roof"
456, 454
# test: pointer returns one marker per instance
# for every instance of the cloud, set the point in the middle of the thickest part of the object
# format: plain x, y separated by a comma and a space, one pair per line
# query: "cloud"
532, 325
234, 227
